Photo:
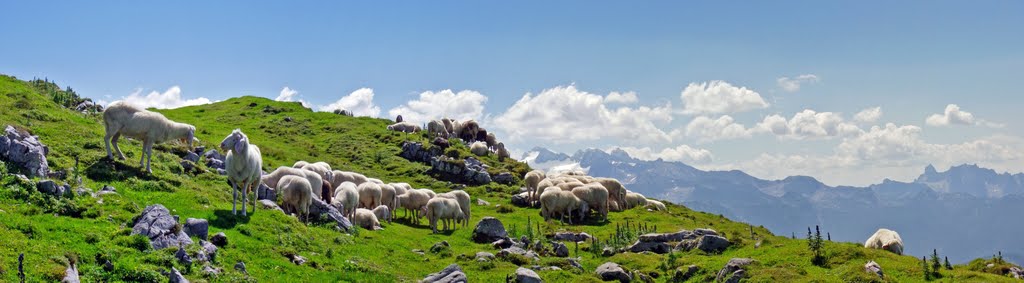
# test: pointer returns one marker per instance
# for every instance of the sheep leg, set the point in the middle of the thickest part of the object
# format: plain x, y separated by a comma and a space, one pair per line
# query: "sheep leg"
114, 139
234, 198
147, 147
106, 140
245, 199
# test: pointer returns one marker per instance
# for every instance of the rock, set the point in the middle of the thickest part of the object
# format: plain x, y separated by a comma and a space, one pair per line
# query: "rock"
504, 178
521, 200
482, 202
215, 164
451, 274
71, 274
441, 142
175, 276
212, 271
682, 276
108, 188
83, 191
183, 257
418, 251
162, 229
343, 112
24, 151
736, 276
1015, 272
707, 243
640, 276
519, 251
654, 247
108, 266
549, 268
207, 252
221, 172
321, 208
488, 230
191, 156
484, 256
729, 272
440, 246
608, 251
189, 167
560, 249
612, 271
571, 237
199, 150
668, 237
240, 266
269, 204
263, 192
538, 246
288, 119
524, 275
704, 231
50, 187
873, 267
297, 259
503, 243
197, 227
219, 239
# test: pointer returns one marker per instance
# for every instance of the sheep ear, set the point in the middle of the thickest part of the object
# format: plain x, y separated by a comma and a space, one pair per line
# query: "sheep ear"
241, 143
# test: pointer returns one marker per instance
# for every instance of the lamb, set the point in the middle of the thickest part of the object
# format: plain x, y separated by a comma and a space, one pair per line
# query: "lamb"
314, 179
444, 209
388, 197
346, 198
885, 239
616, 192
369, 195
655, 205
555, 201
405, 127
413, 200
635, 200
296, 195
479, 148
437, 128
382, 213
121, 118
243, 165
366, 219
532, 179
595, 195
464, 200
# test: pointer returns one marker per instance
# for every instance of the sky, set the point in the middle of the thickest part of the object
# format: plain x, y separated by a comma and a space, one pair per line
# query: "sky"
848, 92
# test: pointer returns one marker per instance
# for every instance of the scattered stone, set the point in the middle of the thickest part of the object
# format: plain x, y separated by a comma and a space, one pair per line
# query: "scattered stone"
441, 142
50, 187
612, 271
706, 243
538, 246
320, 208
182, 256
1015, 272
263, 192
297, 259
212, 271
640, 276
24, 151
524, 275
221, 172
572, 237
873, 267
733, 270
451, 274
503, 243
682, 276
108, 266
440, 246
162, 229
559, 249
197, 227
175, 276
736, 276
207, 252
71, 274
704, 231
549, 268
488, 230
521, 200
504, 178
519, 251
240, 266
668, 237
608, 251
418, 251
215, 164
83, 191
484, 256
654, 247
288, 119
219, 239
107, 189
575, 263
269, 204
189, 167
191, 156
482, 202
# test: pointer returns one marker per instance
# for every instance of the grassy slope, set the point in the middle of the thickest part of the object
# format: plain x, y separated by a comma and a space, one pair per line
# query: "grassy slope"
357, 144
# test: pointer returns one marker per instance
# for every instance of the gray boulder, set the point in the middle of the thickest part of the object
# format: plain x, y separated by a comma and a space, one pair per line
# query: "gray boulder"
524, 275
207, 252
219, 239
183, 256
682, 276
668, 237
488, 230
212, 271
174, 276
263, 192
521, 200
240, 266
612, 271
197, 227
70, 274
269, 204
654, 247
484, 256
559, 249
50, 187
707, 243
503, 243
733, 270
572, 237
320, 207
504, 178
451, 274
24, 151
519, 251
873, 267
191, 156
157, 223
1015, 272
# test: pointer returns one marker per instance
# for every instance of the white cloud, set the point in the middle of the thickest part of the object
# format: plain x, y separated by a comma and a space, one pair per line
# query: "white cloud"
171, 98
628, 97
808, 124
869, 115
794, 84
464, 105
360, 102
717, 97
682, 153
954, 116
565, 114
288, 95
707, 130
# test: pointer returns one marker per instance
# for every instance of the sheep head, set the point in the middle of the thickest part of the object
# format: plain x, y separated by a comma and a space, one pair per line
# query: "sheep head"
235, 141
190, 136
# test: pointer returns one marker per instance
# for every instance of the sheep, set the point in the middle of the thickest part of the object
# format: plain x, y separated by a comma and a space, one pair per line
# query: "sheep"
296, 195
369, 195
502, 152
324, 170
314, 179
243, 165
413, 200
444, 209
344, 176
388, 196
568, 186
375, 181
885, 239
532, 179
616, 192
595, 195
382, 213
491, 140
467, 130
613, 206
635, 200
346, 198
448, 126
543, 184
366, 219
437, 128
401, 188
405, 127
478, 148
123, 119
555, 201
481, 136
463, 198
655, 205
300, 164
429, 192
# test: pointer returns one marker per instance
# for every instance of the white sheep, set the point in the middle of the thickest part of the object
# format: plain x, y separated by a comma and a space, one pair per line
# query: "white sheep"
655, 205
296, 195
429, 192
885, 239
401, 188
405, 127
502, 153
532, 179
300, 164
595, 195
543, 184
322, 169
449, 126
467, 130
413, 200
444, 209
464, 200
554, 201
345, 176
346, 198
492, 140
388, 196
568, 186
437, 129
243, 165
366, 219
123, 119
369, 195
314, 179
375, 181
479, 148
635, 200
616, 192
382, 213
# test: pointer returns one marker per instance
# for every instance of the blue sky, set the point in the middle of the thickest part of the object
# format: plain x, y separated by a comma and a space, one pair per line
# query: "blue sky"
911, 59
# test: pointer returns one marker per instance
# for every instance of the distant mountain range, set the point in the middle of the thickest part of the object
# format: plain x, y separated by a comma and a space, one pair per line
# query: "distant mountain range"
965, 212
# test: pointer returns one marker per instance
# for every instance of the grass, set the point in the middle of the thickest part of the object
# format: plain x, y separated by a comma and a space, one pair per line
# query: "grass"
51, 232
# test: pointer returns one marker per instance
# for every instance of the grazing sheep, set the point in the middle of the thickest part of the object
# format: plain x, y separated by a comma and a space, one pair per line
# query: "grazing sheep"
429, 192
532, 179
436, 128
568, 186
467, 130
448, 126
885, 239
346, 198
595, 195
491, 140
388, 196
369, 195
463, 198
616, 192
655, 205
243, 165
481, 136
326, 175
401, 188
555, 201
543, 184
296, 195
404, 127
344, 176
413, 200
123, 119
444, 209
375, 181
479, 148
366, 219
635, 200
300, 164
613, 206
382, 213
502, 152
314, 179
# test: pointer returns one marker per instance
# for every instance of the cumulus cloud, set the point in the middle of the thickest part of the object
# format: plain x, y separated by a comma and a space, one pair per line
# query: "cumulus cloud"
360, 102
171, 98
723, 128
717, 97
288, 95
565, 114
628, 97
869, 115
682, 153
464, 105
954, 116
794, 84
808, 124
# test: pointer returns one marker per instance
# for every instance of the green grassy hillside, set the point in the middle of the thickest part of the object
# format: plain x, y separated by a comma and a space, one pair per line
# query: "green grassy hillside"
50, 231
